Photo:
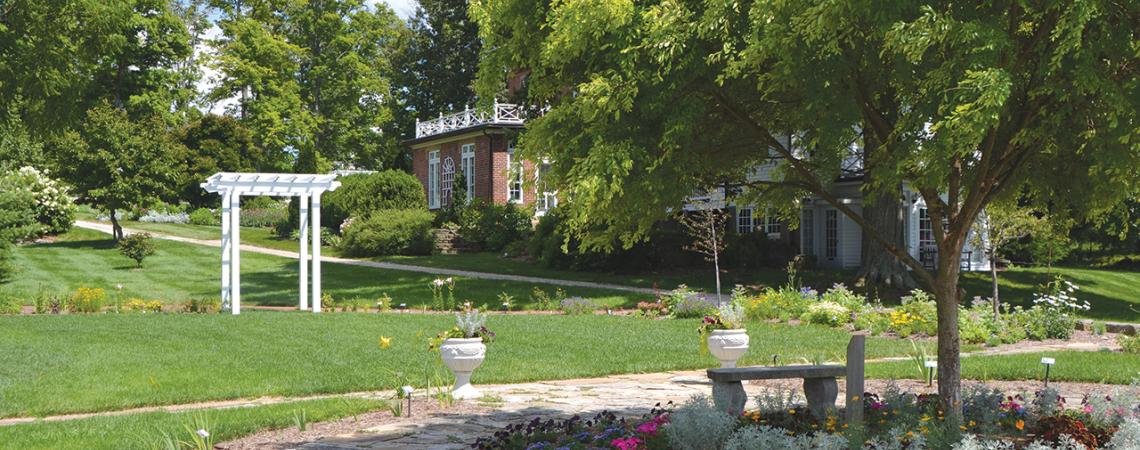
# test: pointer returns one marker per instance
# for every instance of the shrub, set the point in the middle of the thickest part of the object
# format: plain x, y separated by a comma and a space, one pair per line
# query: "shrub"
546, 302
390, 232
137, 247
17, 214
827, 313
574, 306
699, 425
784, 303
53, 207
361, 195
87, 300
153, 216
1130, 344
204, 216
917, 314
10, 305
263, 217
488, 226
684, 303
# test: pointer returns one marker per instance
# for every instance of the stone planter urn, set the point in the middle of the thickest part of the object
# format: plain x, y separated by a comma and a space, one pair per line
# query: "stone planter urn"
727, 346
462, 356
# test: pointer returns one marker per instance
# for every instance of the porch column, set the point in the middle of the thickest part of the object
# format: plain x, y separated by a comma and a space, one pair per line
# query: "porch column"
235, 254
226, 250
316, 252
304, 253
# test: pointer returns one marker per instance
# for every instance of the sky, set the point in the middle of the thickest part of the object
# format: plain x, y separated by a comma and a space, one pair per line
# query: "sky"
403, 8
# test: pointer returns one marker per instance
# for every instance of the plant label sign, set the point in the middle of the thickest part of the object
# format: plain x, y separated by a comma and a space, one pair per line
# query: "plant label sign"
931, 364
1048, 361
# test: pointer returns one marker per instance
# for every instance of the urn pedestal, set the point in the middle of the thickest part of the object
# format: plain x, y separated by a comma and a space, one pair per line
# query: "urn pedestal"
727, 346
463, 356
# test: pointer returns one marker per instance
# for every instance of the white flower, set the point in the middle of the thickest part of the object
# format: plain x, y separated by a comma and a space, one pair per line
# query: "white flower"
449, 280
119, 286
203, 433
438, 282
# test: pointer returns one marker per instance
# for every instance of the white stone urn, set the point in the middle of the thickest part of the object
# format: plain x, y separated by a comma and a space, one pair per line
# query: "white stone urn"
462, 356
727, 346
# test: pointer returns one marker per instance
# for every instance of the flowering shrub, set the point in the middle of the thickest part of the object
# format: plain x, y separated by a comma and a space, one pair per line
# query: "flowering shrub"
684, 303
53, 206
87, 300
784, 303
154, 216
651, 309
827, 313
604, 430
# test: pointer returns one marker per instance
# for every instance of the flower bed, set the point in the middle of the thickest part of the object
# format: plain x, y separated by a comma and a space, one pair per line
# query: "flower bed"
1053, 315
894, 420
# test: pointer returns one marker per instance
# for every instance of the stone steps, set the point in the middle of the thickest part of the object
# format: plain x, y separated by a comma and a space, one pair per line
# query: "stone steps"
448, 242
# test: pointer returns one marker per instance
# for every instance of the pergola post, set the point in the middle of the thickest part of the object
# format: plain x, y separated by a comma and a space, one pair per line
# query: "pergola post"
226, 249
235, 255
303, 260
316, 252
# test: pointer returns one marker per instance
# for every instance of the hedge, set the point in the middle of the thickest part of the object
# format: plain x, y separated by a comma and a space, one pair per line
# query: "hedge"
389, 232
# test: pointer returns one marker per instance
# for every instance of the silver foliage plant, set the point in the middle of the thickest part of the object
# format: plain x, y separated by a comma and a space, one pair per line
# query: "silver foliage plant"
763, 437
1127, 437
731, 315
698, 425
469, 322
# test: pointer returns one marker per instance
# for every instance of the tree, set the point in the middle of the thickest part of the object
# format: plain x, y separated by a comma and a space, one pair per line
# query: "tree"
218, 144
137, 246
962, 102
117, 164
999, 224
311, 78
437, 65
705, 225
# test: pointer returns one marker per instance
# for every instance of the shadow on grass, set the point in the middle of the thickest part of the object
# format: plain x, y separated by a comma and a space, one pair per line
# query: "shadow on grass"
1017, 287
85, 244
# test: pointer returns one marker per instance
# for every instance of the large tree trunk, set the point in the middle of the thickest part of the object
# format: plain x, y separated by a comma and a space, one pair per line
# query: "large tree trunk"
947, 296
879, 265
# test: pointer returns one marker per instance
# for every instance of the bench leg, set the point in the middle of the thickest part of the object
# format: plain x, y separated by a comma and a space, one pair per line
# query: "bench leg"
729, 396
821, 394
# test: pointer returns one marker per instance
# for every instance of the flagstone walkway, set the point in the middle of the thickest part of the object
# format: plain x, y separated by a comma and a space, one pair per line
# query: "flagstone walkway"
626, 395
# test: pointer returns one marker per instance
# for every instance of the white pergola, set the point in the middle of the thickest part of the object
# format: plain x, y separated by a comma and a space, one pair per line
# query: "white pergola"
232, 186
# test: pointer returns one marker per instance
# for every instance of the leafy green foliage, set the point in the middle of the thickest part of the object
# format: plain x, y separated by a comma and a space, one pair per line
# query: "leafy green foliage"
116, 164
137, 246
204, 216
53, 206
390, 232
7, 267
490, 226
362, 194
218, 144
17, 214
311, 77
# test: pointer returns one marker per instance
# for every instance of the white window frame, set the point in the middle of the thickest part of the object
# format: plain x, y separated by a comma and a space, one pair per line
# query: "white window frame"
771, 226
547, 200
447, 182
925, 227
744, 220
433, 179
514, 176
807, 233
467, 164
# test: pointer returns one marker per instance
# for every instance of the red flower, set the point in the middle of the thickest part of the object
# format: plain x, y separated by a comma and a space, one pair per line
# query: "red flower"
630, 443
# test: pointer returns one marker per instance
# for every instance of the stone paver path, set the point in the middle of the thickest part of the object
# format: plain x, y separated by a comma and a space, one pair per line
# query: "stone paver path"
106, 228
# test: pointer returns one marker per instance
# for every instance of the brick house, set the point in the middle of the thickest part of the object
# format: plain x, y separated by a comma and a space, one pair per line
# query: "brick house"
476, 147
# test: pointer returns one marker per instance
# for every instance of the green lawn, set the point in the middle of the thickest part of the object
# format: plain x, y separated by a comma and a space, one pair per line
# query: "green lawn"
1112, 293
152, 430
261, 237
1093, 367
75, 363
179, 271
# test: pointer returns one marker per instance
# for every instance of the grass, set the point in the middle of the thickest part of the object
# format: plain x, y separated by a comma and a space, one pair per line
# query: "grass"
180, 271
261, 237
151, 430
1092, 367
79, 363
1111, 292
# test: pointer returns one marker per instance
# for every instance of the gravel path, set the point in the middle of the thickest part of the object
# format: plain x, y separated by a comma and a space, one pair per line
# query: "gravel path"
106, 228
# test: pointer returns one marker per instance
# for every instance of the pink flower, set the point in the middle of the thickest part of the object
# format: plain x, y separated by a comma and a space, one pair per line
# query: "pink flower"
649, 428
1087, 409
630, 443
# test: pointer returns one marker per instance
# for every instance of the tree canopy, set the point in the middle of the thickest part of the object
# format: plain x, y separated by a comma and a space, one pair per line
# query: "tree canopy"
964, 103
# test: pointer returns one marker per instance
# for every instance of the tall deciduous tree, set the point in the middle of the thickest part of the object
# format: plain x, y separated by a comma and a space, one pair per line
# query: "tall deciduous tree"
310, 78
438, 65
118, 164
651, 100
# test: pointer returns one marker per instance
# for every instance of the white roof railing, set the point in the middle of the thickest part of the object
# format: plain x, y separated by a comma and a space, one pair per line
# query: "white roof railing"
500, 114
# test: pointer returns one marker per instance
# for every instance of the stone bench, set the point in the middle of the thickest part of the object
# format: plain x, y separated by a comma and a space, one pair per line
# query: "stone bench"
820, 385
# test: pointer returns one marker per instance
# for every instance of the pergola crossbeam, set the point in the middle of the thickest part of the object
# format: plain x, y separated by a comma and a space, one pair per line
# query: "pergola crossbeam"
232, 186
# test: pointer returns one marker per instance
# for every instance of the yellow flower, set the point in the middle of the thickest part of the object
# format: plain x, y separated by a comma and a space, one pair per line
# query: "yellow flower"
385, 342
1020, 425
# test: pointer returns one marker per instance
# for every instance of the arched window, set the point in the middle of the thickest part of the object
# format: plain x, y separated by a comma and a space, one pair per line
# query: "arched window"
448, 177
